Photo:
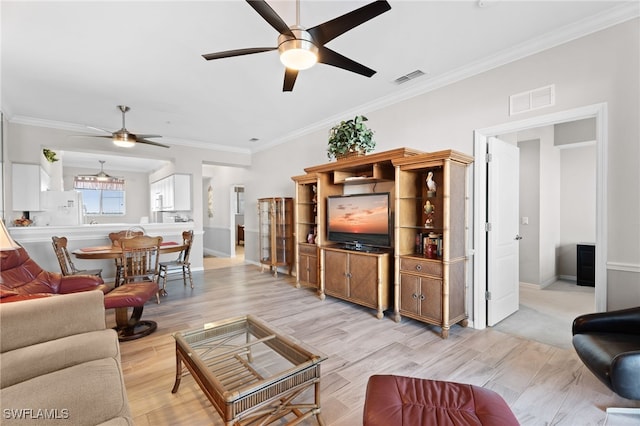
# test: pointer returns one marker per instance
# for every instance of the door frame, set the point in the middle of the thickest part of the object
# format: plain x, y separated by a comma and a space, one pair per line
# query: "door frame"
479, 252
232, 217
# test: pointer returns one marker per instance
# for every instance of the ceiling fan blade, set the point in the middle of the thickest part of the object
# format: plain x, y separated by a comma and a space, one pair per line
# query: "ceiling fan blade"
289, 79
329, 57
329, 30
270, 15
148, 142
147, 136
99, 128
237, 52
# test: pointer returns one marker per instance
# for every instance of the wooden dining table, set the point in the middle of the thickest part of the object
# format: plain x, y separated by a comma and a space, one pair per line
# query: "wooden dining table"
115, 252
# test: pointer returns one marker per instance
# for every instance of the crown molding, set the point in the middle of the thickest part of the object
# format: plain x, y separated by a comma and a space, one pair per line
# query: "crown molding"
61, 125
618, 15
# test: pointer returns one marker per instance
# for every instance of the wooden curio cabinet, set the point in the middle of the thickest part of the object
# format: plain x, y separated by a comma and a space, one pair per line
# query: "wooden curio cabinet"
306, 230
275, 222
431, 230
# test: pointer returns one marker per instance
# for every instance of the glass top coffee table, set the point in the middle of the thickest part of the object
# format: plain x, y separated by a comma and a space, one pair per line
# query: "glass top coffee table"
250, 371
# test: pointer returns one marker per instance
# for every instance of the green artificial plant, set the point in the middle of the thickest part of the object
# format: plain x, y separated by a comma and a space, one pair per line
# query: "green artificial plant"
350, 137
49, 155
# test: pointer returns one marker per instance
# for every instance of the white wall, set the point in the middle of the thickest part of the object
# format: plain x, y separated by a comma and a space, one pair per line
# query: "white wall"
602, 67
219, 230
549, 206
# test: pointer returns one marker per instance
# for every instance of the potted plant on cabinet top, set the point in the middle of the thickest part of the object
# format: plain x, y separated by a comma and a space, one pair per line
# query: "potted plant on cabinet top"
349, 138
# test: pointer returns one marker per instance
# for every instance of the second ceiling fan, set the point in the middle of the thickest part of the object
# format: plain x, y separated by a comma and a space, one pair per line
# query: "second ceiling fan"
126, 139
301, 48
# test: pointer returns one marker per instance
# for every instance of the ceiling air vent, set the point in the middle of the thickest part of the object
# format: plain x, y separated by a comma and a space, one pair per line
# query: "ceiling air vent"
407, 77
532, 99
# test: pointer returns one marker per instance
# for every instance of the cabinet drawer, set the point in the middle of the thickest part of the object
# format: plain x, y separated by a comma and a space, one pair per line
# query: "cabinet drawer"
308, 249
419, 266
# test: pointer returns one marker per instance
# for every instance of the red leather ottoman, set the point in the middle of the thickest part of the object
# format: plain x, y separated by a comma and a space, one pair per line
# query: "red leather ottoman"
133, 295
397, 400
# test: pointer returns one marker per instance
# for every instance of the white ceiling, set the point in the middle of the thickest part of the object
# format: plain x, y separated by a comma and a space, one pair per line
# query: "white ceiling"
68, 64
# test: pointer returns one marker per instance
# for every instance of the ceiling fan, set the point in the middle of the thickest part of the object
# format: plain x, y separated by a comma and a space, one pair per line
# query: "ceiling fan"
301, 48
126, 139
101, 175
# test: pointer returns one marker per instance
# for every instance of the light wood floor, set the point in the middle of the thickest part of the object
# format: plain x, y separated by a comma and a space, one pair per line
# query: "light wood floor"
542, 384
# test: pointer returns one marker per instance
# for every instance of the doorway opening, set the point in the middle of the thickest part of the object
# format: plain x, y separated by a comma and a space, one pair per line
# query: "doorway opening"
480, 261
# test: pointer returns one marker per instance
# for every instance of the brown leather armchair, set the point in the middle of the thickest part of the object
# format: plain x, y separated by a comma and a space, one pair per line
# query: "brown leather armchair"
21, 278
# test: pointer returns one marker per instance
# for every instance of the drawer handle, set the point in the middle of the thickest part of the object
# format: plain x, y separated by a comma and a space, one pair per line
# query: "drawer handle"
415, 296
418, 267
422, 297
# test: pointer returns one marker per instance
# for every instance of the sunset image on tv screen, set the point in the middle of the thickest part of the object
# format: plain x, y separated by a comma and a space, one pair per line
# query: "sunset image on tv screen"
359, 215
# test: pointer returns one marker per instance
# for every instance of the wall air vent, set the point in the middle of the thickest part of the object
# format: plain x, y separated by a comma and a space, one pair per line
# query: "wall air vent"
533, 99
410, 76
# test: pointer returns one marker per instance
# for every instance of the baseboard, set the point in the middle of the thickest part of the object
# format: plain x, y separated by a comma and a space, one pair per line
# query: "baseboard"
572, 278
548, 282
529, 285
216, 253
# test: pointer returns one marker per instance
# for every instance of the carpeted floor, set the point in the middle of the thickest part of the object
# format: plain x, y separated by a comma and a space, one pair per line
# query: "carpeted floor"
546, 315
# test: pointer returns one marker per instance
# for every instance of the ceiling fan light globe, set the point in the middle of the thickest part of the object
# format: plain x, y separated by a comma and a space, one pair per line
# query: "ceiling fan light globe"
123, 141
297, 53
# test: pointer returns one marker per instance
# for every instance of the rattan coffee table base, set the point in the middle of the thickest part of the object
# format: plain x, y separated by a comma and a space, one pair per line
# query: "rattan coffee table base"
250, 372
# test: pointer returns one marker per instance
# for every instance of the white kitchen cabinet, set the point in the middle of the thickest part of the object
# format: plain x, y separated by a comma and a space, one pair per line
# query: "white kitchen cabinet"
182, 192
172, 193
26, 185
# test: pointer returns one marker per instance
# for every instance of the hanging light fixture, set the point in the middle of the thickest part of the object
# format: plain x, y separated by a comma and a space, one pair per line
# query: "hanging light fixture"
102, 176
100, 180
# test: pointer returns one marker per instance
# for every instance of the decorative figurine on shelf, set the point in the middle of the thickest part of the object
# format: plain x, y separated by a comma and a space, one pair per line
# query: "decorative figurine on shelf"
431, 185
429, 210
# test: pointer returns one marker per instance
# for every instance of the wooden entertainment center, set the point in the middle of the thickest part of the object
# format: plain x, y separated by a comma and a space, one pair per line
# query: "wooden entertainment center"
422, 274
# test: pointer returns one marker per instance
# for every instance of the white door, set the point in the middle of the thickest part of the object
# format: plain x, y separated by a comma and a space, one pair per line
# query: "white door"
503, 175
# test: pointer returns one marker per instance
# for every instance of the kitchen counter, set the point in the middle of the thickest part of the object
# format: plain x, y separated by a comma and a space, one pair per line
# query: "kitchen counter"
27, 234
37, 241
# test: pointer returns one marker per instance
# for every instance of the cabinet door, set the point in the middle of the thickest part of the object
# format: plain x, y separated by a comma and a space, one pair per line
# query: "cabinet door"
154, 192
409, 293
26, 187
45, 181
265, 224
182, 192
308, 269
430, 298
363, 278
167, 193
335, 274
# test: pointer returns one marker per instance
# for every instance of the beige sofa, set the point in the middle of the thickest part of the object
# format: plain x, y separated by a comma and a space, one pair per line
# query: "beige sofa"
59, 364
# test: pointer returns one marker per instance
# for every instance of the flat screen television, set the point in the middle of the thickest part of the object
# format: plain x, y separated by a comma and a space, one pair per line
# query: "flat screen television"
360, 219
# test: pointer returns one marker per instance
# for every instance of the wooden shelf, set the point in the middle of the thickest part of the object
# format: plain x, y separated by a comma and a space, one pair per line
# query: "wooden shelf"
361, 175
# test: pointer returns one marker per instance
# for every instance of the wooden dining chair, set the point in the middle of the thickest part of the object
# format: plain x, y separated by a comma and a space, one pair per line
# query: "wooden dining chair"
140, 260
115, 238
64, 259
180, 263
